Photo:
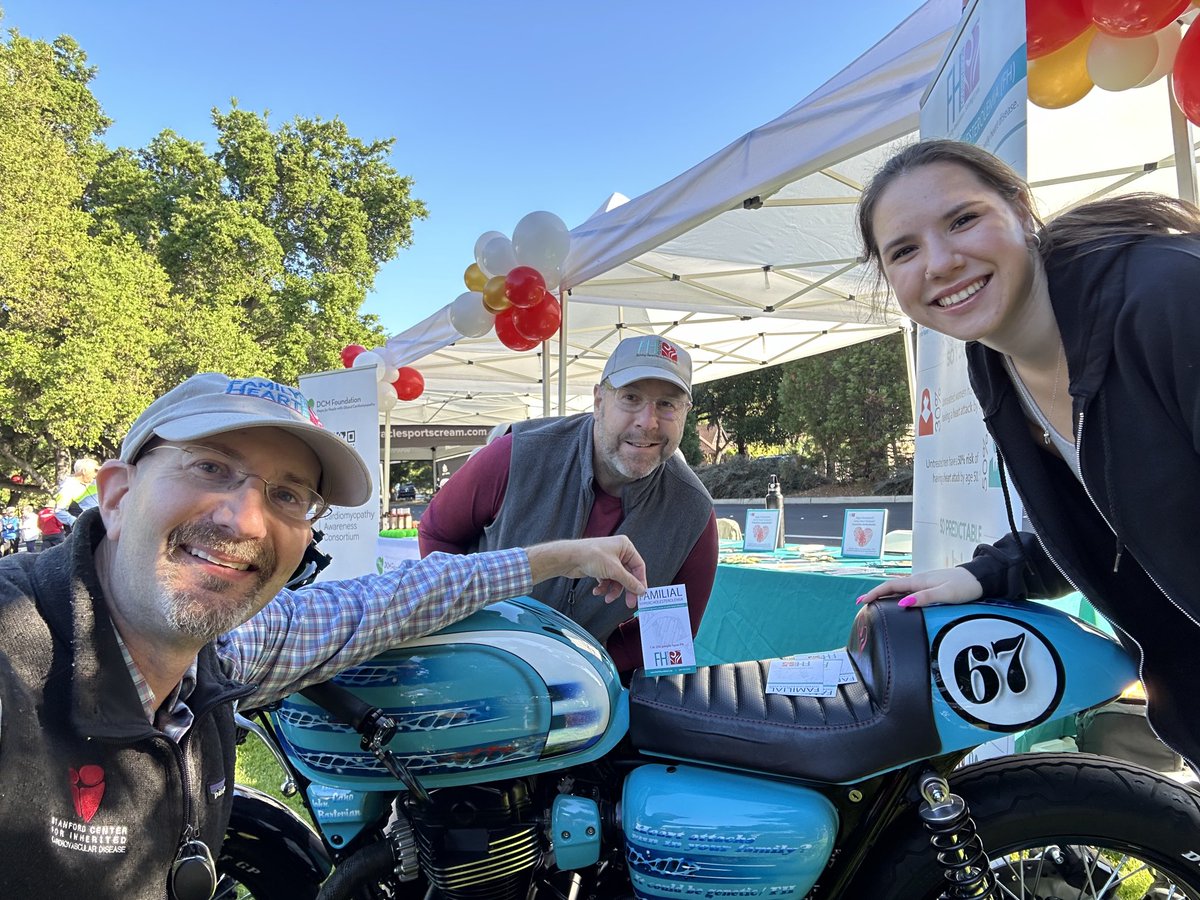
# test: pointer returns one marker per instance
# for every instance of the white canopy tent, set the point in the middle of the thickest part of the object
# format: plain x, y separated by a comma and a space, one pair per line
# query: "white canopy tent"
750, 257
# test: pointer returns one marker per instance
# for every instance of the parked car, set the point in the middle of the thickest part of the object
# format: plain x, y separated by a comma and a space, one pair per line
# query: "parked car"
406, 492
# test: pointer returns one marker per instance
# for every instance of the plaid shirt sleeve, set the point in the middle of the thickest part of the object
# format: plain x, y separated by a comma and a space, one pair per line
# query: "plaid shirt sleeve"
307, 636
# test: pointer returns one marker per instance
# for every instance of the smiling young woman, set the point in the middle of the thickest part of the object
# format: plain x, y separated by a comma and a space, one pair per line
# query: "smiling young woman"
1082, 350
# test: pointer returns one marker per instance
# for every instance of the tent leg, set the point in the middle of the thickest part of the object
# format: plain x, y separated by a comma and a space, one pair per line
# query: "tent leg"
1185, 155
910, 364
385, 499
562, 355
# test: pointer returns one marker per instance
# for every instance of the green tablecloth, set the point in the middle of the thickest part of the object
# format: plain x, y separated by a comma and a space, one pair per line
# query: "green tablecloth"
764, 606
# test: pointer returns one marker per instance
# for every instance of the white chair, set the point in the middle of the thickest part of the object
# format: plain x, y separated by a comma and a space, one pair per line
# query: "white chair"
728, 530
898, 541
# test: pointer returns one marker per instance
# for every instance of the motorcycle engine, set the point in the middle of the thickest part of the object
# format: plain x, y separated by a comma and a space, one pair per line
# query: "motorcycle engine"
479, 842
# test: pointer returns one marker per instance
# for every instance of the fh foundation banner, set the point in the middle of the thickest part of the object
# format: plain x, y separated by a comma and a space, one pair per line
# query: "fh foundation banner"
979, 96
345, 400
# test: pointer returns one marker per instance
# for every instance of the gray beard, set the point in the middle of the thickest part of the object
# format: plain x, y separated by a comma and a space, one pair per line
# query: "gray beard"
205, 622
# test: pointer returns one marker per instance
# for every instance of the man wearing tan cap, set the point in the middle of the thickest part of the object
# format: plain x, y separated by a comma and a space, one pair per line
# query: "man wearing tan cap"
125, 649
614, 470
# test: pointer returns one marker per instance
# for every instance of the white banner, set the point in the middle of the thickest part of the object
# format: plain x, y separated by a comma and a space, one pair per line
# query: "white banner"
979, 96
345, 400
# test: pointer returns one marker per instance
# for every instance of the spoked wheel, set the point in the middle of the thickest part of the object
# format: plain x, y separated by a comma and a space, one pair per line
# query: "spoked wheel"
1076, 872
1066, 826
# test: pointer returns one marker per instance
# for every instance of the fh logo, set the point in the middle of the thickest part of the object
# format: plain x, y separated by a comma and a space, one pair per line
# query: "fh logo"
925, 424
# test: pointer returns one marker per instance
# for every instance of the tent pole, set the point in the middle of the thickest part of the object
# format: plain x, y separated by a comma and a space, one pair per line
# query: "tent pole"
910, 363
386, 481
1185, 157
545, 376
562, 354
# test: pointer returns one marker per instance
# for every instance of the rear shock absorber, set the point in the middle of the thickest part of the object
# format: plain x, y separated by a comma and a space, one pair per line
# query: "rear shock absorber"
955, 841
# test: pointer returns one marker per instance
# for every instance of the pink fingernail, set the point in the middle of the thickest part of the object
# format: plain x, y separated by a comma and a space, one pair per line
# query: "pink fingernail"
860, 599
910, 600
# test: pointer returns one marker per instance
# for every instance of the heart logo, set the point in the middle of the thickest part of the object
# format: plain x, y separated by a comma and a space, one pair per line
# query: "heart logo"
760, 533
675, 657
87, 789
862, 535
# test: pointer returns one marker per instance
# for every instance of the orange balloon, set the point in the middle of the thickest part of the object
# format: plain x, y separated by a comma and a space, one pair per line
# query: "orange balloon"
494, 297
474, 278
1061, 78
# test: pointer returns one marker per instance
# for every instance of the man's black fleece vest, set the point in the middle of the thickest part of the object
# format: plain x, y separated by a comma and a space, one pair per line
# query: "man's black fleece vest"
93, 800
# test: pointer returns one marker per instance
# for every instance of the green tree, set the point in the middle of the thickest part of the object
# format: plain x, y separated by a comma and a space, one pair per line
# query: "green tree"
273, 240
77, 312
852, 404
689, 444
745, 407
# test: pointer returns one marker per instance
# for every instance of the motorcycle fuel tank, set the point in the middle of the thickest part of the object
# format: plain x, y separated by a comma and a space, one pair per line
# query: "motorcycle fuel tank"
515, 689
702, 833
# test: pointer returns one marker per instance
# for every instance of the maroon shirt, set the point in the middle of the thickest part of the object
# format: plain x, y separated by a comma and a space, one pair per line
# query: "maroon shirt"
471, 500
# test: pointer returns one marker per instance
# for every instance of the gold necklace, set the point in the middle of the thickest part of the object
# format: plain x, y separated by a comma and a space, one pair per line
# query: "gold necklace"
1053, 399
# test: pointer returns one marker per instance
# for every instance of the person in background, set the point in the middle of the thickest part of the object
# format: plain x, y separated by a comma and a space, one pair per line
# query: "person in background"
614, 470
30, 533
76, 492
50, 527
127, 647
1082, 350
10, 531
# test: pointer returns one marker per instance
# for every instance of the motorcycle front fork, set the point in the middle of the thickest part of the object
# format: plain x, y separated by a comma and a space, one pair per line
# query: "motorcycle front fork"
955, 841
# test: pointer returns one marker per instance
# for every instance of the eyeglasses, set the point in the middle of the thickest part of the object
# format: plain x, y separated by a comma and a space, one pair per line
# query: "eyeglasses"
215, 471
665, 408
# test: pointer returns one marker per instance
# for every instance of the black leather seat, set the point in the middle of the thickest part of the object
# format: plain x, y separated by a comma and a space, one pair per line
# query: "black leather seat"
722, 714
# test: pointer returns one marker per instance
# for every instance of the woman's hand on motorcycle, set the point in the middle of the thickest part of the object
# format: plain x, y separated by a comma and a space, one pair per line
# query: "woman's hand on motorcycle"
613, 561
955, 585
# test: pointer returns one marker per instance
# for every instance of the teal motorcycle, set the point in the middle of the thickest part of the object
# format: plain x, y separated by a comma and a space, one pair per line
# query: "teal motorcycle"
503, 759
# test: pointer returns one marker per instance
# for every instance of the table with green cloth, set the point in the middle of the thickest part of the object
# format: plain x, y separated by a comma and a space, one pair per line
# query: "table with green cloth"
800, 599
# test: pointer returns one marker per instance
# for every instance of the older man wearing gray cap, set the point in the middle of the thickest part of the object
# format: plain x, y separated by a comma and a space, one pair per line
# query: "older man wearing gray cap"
614, 470
124, 650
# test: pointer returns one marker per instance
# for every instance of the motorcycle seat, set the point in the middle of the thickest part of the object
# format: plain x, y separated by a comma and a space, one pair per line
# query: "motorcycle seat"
722, 714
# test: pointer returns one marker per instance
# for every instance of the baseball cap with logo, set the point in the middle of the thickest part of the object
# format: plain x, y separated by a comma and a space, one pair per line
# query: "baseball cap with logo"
649, 356
211, 403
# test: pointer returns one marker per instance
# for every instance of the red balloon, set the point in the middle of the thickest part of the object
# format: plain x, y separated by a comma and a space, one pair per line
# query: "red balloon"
1133, 18
1186, 75
539, 321
409, 384
507, 332
1052, 24
524, 286
350, 352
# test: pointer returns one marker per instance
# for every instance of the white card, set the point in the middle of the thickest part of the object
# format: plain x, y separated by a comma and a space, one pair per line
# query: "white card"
862, 533
811, 675
667, 647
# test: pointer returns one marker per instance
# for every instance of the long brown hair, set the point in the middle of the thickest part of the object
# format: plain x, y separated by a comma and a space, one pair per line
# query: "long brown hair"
1098, 223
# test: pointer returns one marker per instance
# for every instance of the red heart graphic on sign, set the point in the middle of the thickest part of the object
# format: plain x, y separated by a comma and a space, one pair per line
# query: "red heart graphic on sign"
862, 535
760, 533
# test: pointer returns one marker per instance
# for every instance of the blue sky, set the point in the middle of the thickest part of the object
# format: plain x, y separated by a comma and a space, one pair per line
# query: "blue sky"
498, 109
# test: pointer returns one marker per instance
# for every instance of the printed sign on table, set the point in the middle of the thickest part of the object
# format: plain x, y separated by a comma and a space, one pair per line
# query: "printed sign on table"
667, 647
862, 533
762, 527
811, 675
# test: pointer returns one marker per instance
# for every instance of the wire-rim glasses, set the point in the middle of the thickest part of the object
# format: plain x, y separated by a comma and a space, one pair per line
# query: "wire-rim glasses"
216, 471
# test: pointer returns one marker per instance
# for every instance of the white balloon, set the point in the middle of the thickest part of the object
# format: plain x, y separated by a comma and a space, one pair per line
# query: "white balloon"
542, 240
390, 374
481, 242
1168, 45
1118, 64
498, 257
469, 317
371, 358
386, 395
553, 280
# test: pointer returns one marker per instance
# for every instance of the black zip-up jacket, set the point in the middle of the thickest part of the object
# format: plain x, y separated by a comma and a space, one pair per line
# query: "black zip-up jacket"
94, 801
1130, 320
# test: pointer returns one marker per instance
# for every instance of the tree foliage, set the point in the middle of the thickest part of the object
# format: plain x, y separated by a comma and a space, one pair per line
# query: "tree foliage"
124, 271
745, 407
852, 404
